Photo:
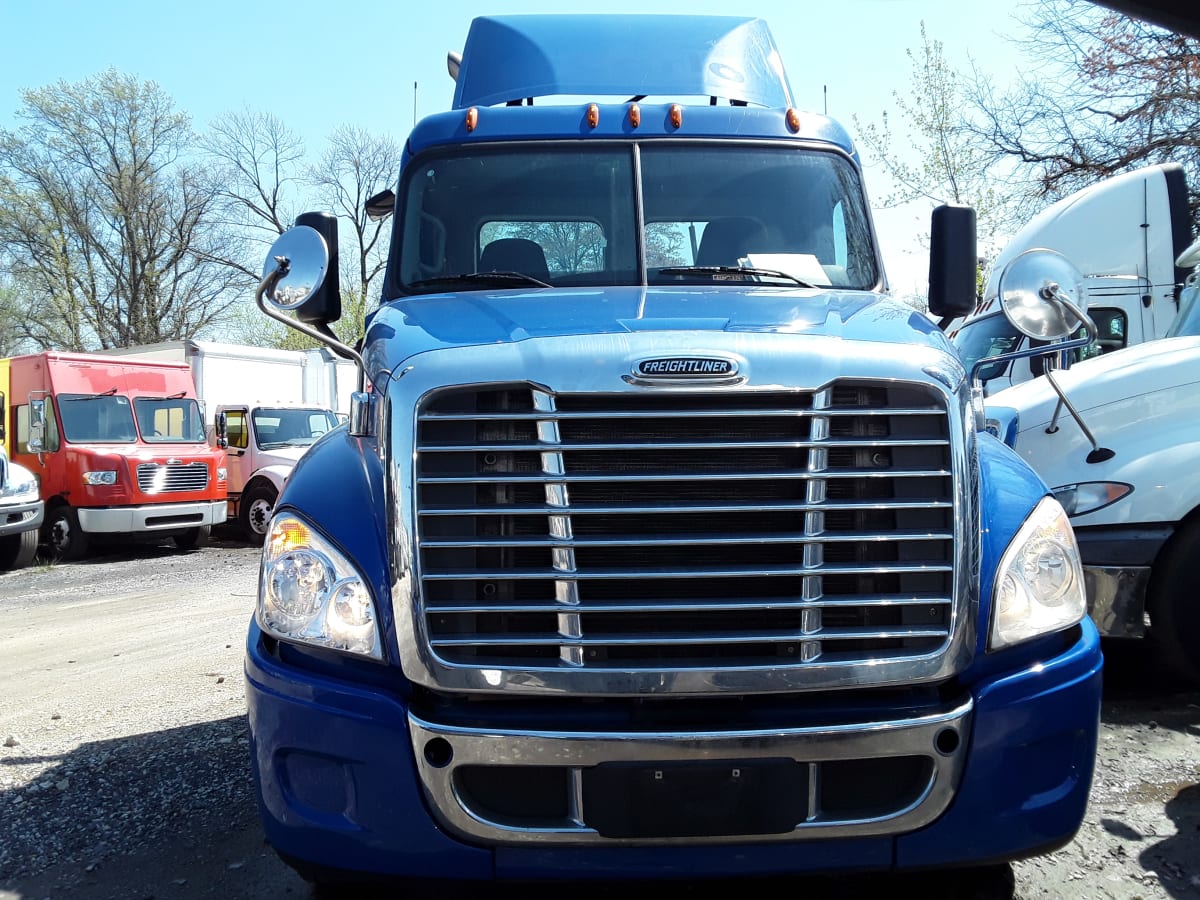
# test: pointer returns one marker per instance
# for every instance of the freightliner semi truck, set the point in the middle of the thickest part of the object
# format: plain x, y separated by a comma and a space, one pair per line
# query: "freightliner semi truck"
661, 541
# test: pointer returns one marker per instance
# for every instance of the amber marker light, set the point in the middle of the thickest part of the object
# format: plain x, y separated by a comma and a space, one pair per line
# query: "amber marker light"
793, 120
635, 115
676, 115
288, 535
593, 116
472, 118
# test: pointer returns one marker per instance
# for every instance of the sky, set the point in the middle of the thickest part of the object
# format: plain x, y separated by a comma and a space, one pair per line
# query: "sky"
319, 66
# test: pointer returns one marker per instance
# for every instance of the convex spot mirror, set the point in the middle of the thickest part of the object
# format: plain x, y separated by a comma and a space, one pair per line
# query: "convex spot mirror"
304, 258
1039, 293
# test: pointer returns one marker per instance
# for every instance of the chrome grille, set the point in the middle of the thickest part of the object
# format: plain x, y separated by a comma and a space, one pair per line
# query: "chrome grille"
677, 530
168, 478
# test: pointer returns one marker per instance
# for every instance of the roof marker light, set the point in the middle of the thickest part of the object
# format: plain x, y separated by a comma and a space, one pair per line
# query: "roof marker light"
635, 115
472, 118
793, 120
593, 115
676, 115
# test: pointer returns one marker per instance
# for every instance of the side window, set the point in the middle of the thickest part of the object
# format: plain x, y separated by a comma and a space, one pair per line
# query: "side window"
1111, 333
566, 247
21, 444
235, 428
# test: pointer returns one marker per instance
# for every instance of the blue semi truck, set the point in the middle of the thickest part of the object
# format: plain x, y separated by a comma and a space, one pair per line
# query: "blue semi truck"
661, 541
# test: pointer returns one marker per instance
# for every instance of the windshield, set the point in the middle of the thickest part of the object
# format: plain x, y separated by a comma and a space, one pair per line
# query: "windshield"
989, 336
277, 427
1187, 320
169, 420
558, 216
96, 418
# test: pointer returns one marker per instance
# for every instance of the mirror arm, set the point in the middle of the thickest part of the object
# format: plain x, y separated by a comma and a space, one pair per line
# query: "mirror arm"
1098, 454
977, 383
272, 278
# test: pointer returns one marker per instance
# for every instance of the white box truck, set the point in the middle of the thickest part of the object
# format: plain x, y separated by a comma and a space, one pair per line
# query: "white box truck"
275, 404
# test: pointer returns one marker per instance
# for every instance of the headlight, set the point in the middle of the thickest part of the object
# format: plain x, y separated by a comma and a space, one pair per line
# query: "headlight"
309, 592
222, 473
1039, 585
107, 476
1090, 496
22, 485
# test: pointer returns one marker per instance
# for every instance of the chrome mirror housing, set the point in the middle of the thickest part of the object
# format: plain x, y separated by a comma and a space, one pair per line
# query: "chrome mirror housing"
1039, 292
295, 267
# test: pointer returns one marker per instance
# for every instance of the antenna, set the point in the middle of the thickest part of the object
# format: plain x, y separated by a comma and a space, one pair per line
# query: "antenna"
825, 94
414, 104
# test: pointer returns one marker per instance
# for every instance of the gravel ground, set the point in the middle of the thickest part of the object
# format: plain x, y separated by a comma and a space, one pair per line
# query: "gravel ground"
124, 771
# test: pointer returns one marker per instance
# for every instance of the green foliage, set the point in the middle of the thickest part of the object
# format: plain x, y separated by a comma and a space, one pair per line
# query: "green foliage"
952, 168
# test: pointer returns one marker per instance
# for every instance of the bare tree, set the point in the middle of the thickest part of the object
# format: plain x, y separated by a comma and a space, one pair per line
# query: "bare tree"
107, 229
355, 166
260, 166
1113, 94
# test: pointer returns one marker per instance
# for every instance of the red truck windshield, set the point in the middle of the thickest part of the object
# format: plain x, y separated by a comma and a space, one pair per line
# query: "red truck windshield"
109, 419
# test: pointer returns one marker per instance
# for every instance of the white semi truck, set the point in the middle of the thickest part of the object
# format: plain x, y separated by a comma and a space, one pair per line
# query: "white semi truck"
1124, 235
273, 404
1116, 438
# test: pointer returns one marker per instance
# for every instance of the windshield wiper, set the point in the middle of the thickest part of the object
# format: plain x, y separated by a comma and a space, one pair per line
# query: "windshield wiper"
111, 392
496, 279
718, 271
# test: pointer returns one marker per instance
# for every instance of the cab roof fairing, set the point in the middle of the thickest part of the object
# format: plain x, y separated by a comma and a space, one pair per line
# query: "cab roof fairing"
510, 58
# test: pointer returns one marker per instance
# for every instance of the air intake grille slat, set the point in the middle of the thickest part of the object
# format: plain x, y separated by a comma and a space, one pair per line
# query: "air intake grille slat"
678, 530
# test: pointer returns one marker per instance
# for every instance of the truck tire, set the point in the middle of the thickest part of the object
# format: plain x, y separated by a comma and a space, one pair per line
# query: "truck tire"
64, 538
254, 511
193, 538
18, 550
1174, 604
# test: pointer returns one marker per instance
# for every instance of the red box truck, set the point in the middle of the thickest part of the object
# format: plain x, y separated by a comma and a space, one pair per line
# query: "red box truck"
119, 449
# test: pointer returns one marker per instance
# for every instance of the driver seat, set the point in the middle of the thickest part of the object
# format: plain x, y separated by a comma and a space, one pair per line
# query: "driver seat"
515, 255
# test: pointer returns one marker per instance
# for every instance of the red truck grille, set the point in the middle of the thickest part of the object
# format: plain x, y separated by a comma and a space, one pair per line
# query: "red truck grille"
171, 478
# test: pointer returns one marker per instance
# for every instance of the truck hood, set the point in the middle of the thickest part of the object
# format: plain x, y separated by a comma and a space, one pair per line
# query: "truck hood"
434, 321
1116, 377
280, 456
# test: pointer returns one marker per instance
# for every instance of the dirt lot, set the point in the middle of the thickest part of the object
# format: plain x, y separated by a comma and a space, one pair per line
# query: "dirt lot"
124, 774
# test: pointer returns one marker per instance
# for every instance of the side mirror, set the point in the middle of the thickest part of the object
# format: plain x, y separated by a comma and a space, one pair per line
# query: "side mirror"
295, 269
37, 426
300, 277
953, 262
222, 433
1039, 292
324, 305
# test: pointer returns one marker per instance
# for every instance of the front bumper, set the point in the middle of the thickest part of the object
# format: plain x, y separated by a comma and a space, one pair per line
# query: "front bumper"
16, 518
156, 517
341, 789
